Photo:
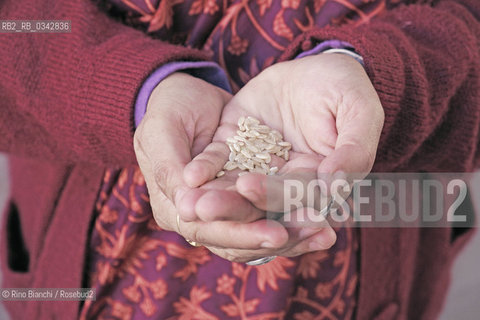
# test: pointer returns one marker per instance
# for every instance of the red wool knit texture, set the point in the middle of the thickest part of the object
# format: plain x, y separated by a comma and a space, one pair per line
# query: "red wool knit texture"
66, 104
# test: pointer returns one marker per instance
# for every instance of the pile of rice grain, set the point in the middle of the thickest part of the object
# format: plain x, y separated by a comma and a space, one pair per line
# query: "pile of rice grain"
253, 146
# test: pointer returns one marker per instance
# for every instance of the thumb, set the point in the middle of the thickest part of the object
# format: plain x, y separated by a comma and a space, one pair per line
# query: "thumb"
359, 123
350, 159
359, 128
342, 168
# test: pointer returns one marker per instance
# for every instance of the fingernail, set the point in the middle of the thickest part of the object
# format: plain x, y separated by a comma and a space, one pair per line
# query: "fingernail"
306, 232
179, 193
341, 176
252, 196
267, 244
323, 241
315, 246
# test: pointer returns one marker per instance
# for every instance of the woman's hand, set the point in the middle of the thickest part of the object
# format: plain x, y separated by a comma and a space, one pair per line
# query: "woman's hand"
325, 106
182, 115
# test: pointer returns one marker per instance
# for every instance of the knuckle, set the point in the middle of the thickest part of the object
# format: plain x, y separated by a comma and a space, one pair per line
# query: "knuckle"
208, 158
162, 176
165, 179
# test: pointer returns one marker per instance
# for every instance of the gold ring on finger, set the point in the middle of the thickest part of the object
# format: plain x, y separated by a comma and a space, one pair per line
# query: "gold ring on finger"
190, 242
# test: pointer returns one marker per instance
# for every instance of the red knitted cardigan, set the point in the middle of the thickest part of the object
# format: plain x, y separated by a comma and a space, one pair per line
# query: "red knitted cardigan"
66, 112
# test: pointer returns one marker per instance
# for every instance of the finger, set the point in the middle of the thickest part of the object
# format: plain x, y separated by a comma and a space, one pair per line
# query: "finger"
286, 192
216, 204
164, 212
353, 160
359, 124
205, 166
220, 234
226, 234
186, 204
264, 192
166, 149
322, 239
308, 231
218, 200
304, 218
301, 241
226, 205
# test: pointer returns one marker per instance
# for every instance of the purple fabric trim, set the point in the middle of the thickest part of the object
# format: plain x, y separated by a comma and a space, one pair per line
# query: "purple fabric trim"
208, 71
333, 46
325, 45
347, 52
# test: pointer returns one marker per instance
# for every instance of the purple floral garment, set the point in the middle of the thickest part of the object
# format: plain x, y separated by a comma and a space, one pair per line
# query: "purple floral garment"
143, 272
243, 36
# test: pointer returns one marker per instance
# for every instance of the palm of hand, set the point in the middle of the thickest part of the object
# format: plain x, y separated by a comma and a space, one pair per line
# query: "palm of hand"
319, 104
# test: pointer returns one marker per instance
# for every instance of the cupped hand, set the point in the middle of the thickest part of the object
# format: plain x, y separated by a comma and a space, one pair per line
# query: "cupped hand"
324, 105
182, 115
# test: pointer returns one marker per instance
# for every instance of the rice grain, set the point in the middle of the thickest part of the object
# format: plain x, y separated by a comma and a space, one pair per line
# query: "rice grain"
251, 149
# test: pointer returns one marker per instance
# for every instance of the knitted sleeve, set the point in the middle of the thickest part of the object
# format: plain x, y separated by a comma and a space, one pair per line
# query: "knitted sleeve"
424, 62
69, 97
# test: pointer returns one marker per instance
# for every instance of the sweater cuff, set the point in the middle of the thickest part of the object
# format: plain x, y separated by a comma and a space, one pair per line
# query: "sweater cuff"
208, 71
109, 98
214, 74
324, 46
333, 46
388, 67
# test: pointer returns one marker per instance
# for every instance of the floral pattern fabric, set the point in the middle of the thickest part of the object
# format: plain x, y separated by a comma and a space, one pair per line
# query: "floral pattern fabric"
143, 272
243, 36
